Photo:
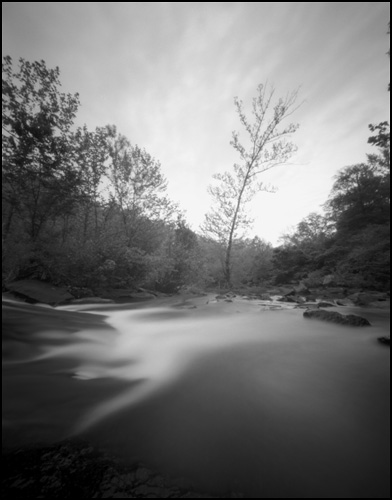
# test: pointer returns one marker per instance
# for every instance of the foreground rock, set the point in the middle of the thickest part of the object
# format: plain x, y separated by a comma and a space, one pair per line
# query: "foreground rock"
335, 317
38, 291
76, 470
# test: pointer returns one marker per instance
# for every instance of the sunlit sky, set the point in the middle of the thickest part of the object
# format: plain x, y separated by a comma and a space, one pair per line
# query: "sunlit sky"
166, 73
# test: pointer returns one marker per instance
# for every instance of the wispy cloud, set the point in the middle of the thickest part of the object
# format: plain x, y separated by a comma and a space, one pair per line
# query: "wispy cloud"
166, 73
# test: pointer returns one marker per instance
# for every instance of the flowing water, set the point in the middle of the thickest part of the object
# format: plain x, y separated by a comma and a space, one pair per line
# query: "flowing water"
231, 396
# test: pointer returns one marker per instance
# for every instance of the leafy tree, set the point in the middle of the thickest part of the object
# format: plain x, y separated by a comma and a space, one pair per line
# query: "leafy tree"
136, 183
268, 146
252, 259
359, 197
91, 155
313, 228
39, 178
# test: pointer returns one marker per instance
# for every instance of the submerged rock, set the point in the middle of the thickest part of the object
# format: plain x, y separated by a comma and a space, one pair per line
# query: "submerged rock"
335, 317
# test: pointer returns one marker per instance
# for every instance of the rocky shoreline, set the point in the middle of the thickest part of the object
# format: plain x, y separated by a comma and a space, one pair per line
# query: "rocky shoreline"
34, 291
74, 469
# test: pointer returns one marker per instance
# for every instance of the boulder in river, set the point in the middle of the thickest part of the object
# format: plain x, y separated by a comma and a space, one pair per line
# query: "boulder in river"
365, 298
325, 304
345, 302
335, 317
39, 291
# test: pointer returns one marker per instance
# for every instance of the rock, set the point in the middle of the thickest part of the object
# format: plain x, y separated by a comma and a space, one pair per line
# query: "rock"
144, 290
366, 298
53, 471
302, 289
265, 296
220, 297
142, 296
360, 299
345, 302
290, 298
384, 340
335, 317
308, 305
325, 304
80, 292
38, 291
330, 293
92, 300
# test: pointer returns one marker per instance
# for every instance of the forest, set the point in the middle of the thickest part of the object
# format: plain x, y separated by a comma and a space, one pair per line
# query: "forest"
88, 209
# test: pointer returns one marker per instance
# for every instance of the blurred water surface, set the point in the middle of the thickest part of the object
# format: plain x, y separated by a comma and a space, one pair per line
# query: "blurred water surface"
228, 395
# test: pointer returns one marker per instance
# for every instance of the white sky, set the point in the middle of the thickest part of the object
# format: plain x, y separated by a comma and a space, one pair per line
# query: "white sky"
166, 73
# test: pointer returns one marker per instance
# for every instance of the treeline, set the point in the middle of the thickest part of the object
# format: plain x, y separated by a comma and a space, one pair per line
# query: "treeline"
89, 209
349, 244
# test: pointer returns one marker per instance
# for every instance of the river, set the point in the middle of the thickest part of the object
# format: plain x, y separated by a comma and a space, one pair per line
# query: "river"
232, 396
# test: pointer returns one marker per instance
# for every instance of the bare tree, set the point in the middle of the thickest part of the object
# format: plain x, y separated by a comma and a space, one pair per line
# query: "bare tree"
268, 146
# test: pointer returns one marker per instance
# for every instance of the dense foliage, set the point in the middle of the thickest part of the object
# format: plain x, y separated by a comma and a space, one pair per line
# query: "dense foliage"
89, 209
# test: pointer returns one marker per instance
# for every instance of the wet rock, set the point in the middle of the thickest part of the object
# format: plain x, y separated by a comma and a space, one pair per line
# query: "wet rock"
73, 469
325, 304
364, 299
265, 296
92, 300
308, 305
292, 299
345, 302
335, 317
38, 291
384, 340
